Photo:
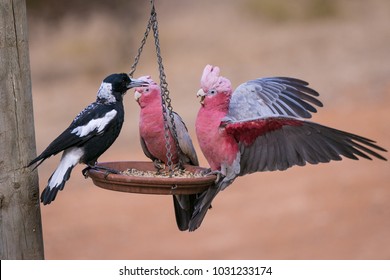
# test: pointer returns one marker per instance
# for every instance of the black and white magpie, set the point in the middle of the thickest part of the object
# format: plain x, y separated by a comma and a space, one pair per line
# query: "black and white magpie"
90, 134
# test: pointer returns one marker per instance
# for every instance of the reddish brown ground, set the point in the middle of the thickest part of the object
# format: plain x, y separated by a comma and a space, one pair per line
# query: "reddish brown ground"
331, 211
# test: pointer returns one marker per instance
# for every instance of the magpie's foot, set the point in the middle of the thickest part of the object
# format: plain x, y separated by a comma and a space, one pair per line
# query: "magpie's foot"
85, 171
110, 171
107, 170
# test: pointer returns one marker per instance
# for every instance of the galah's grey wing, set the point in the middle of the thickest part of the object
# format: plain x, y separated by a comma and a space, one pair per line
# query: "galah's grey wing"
277, 96
185, 142
280, 142
184, 204
146, 151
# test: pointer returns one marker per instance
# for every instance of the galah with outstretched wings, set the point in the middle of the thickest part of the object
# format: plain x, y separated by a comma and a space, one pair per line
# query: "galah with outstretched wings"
261, 126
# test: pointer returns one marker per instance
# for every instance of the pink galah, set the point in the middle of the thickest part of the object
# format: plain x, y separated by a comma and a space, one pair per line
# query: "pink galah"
153, 142
261, 127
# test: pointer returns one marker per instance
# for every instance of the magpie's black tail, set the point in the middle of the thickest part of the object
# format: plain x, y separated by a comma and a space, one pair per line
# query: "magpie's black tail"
56, 183
38, 159
57, 180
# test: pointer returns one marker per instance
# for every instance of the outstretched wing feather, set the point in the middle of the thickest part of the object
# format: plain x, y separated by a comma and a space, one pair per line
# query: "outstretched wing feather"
279, 143
274, 96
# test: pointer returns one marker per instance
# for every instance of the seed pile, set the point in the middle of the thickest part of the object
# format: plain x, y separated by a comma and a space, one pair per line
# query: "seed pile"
162, 174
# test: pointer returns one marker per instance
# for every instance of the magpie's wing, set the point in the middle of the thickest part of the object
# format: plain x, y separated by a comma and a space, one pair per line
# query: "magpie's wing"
281, 142
276, 96
184, 139
87, 124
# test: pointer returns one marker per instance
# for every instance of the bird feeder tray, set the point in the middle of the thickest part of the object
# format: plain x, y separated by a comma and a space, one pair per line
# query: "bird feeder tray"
149, 184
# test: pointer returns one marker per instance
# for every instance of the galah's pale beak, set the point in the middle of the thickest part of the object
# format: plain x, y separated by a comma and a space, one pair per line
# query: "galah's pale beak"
137, 95
202, 95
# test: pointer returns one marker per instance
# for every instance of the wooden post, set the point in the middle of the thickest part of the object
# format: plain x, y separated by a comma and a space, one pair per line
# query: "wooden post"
20, 216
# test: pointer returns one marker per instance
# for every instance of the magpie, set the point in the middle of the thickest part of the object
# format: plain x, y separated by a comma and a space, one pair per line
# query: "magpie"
89, 135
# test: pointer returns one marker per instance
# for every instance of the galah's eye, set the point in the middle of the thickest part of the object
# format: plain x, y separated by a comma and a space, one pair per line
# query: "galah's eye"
212, 91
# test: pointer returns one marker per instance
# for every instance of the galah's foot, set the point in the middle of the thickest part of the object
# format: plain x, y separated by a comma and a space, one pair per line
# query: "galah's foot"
107, 170
220, 176
206, 171
179, 167
159, 165
214, 172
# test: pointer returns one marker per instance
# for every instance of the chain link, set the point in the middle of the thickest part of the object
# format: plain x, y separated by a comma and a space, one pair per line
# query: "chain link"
167, 109
140, 49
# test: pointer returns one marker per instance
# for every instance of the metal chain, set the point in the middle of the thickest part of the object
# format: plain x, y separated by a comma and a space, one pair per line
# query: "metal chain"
165, 99
136, 59
166, 102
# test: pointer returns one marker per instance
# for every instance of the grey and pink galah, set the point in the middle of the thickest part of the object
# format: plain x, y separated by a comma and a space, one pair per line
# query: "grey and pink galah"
261, 126
153, 142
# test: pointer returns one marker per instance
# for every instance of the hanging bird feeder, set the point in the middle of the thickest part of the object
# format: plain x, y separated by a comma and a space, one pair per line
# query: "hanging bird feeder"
137, 177
141, 177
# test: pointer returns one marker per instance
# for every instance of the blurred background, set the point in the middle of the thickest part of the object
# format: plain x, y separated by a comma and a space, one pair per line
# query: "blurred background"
339, 210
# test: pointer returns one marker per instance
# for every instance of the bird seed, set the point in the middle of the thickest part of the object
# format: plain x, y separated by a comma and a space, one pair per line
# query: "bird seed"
162, 174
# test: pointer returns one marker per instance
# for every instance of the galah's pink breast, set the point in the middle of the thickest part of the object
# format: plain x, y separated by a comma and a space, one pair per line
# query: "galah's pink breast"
152, 131
217, 146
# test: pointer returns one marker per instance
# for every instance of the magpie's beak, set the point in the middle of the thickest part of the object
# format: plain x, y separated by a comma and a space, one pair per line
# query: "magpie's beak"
137, 83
